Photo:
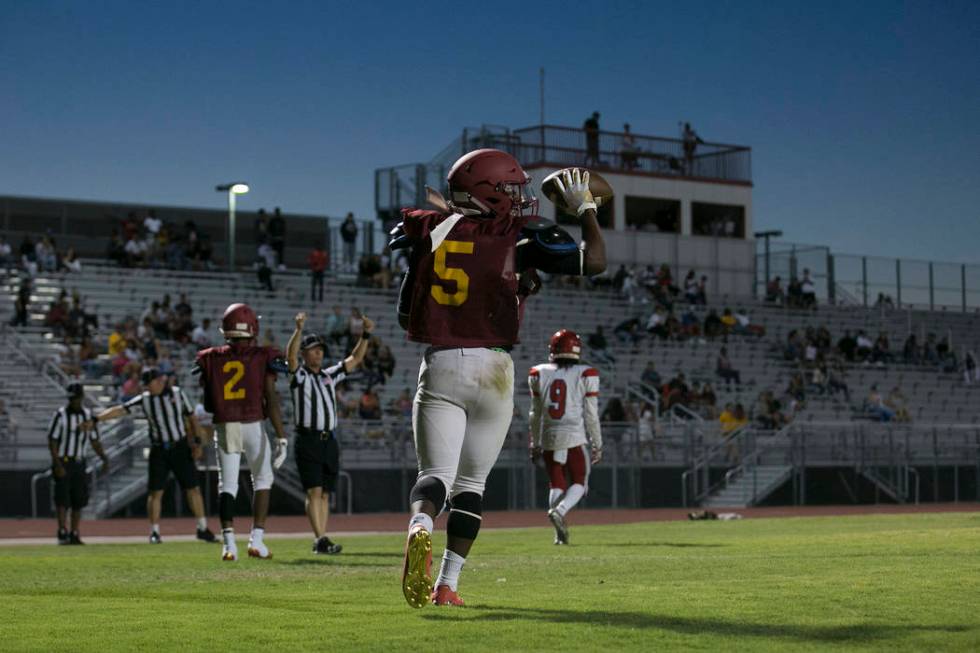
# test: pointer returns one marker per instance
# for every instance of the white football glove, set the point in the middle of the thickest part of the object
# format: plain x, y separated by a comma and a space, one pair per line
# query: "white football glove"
280, 455
574, 188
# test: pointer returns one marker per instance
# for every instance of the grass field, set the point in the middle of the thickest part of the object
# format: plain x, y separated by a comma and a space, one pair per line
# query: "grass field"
907, 582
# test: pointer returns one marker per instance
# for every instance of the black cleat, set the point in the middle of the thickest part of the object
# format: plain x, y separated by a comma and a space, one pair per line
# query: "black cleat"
155, 538
324, 545
205, 535
63, 536
73, 538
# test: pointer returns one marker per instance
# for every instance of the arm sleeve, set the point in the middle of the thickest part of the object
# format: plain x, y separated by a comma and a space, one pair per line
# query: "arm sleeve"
133, 403
337, 372
94, 434
405, 292
535, 415
54, 429
185, 405
590, 407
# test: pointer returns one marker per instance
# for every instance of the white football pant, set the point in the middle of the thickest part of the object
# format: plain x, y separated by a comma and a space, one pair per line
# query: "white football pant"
233, 439
461, 415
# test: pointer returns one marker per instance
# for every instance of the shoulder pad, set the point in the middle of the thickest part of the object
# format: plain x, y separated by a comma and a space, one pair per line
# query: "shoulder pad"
548, 236
278, 365
590, 371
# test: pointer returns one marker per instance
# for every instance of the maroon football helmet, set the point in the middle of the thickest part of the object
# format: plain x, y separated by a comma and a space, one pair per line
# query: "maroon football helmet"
491, 182
565, 345
239, 321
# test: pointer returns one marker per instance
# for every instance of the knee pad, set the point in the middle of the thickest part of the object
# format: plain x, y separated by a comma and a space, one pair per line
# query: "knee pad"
465, 515
228, 484
226, 507
429, 488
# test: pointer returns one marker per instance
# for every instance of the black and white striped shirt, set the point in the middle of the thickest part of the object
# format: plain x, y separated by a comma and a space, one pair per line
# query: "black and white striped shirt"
315, 397
65, 429
165, 414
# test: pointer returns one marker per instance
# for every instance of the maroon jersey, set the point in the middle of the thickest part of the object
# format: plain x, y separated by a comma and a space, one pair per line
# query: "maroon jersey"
233, 377
465, 293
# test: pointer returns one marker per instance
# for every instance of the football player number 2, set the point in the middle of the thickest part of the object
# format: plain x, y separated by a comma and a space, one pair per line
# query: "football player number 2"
451, 274
237, 370
556, 396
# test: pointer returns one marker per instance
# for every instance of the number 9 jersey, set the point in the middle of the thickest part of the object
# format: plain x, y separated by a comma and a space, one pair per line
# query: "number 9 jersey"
564, 406
233, 377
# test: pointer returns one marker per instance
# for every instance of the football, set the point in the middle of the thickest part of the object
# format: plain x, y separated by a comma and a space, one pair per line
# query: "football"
602, 192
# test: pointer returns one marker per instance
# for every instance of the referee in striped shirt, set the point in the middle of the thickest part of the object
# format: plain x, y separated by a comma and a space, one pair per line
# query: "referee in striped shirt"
314, 397
174, 447
67, 437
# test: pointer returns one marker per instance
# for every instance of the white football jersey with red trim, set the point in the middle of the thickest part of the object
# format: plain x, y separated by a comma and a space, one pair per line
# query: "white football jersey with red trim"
564, 406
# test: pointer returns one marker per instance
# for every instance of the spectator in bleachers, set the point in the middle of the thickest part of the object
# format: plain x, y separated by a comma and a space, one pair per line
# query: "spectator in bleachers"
28, 256
689, 324
614, 411
796, 391
401, 405
277, 237
708, 400
260, 230
152, 224
712, 325
691, 142
599, 346
947, 357
627, 149
369, 406
848, 346
970, 371
808, 291
348, 234
263, 270
881, 353
864, 347
728, 321
336, 326
651, 376
884, 301
385, 361
620, 277
774, 291
591, 129
645, 425
56, 318
44, 253
201, 336
727, 420
70, 261
724, 368
691, 287
898, 403
628, 331
837, 380
678, 392
910, 350
876, 407
657, 323
318, 260
794, 293
135, 251
769, 412
131, 387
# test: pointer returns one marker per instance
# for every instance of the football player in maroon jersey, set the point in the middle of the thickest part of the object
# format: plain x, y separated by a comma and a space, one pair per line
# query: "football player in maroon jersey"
471, 268
239, 380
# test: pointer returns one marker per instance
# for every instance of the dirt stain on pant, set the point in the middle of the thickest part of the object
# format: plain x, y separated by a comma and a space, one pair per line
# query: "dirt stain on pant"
501, 378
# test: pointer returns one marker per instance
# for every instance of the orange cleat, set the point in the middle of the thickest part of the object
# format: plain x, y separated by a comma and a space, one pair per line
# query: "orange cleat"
417, 572
445, 595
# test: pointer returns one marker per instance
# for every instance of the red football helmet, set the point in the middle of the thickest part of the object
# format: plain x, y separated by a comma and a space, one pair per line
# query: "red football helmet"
491, 182
565, 345
239, 321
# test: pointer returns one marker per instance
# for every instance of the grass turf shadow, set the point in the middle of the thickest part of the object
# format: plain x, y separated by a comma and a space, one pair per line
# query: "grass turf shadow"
693, 626
673, 545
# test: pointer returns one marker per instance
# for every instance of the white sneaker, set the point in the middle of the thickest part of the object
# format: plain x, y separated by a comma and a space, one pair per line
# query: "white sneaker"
229, 552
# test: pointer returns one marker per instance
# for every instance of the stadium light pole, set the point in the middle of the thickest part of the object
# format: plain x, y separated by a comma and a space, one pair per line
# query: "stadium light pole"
233, 189
772, 233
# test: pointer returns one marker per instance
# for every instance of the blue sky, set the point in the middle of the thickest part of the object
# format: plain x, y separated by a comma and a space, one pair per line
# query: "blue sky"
863, 117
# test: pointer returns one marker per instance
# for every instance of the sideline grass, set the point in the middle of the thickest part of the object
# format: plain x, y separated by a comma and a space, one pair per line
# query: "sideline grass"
909, 582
